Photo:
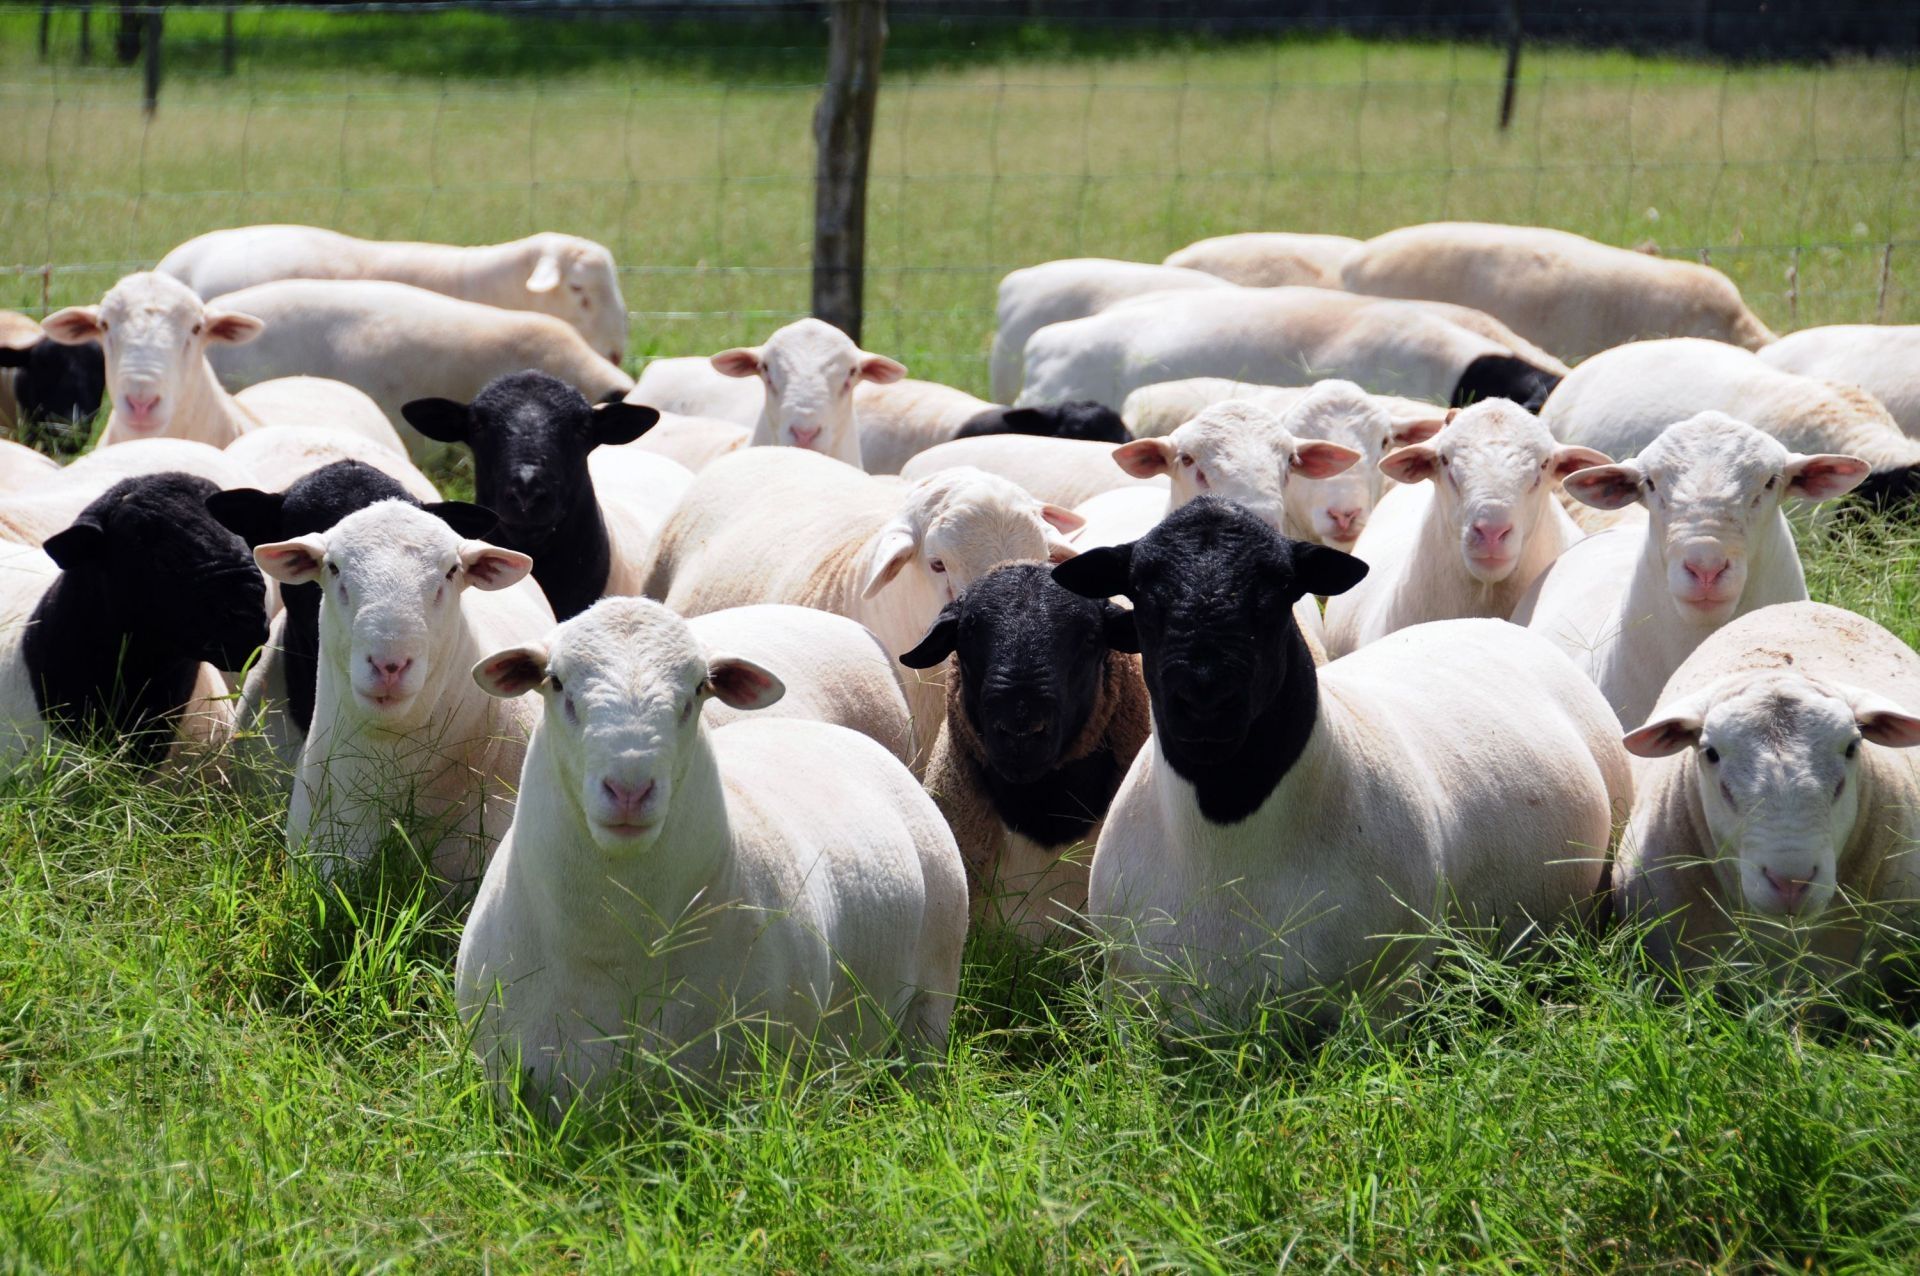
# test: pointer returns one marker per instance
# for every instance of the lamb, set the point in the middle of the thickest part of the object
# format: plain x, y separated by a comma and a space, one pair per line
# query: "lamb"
785, 525
43, 380
157, 339
1276, 336
278, 456
1572, 295
670, 895
114, 631
1774, 809
1471, 538
1060, 471
399, 730
1056, 291
1162, 407
1335, 510
1882, 359
1629, 605
807, 372
833, 668
1619, 402
901, 420
692, 441
1043, 720
570, 278
396, 342
537, 449
1269, 259
276, 700
1291, 835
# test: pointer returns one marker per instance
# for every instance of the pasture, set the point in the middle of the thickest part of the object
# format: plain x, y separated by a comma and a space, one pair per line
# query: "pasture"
211, 1061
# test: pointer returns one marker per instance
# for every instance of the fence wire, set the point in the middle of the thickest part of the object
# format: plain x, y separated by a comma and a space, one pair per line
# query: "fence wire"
682, 140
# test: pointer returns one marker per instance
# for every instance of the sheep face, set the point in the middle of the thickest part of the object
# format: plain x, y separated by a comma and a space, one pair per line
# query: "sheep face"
809, 369
1710, 484
1491, 469
623, 683
390, 578
1213, 588
958, 524
154, 333
1032, 656
575, 280
1335, 510
1776, 767
1240, 452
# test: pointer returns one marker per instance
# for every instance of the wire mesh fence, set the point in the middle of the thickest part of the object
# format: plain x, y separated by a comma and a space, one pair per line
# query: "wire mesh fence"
680, 138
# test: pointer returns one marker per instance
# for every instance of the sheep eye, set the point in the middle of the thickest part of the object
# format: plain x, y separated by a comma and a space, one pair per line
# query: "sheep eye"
1712, 755
938, 566
1445, 459
451, 570
1853, 748
333, 568
1772, 482
558, 689
1186, 460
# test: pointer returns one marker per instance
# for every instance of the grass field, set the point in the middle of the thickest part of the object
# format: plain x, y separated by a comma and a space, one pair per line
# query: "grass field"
208, 1063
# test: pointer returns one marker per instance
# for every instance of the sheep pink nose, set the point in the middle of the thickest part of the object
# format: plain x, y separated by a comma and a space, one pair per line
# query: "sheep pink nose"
1343, 522
1491, 532
1708, 572
387, 673
803, 436
1791, 890
627, 799
142, 409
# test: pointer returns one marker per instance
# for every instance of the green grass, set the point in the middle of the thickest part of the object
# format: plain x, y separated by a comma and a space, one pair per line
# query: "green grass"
208, 1062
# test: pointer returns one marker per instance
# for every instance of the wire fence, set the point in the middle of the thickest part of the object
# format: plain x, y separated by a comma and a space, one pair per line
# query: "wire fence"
680, 137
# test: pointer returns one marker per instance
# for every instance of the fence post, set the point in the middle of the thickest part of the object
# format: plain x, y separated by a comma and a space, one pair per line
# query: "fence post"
46, 23
1513, 64
86, 31
226, 42
151, 37
843, 140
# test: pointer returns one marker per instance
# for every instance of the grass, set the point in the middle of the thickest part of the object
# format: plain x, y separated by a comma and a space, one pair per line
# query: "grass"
209, 1062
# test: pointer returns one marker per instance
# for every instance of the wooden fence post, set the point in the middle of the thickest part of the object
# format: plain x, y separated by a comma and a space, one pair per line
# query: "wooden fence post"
86, 31
151, 96
843, 140
1513, 64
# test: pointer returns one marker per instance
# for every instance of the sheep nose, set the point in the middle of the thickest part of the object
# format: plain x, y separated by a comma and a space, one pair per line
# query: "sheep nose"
626, 798
1491, 532
1707, 572
140, 408
387, 673
1343, 523
804, 435
1791, 890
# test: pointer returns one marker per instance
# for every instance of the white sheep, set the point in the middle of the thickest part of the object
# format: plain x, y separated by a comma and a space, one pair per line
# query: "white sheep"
1574, 296
1269, 259
1775, 807
1057, 291
785, 525
407, 607
1882, 359
1471, 534
1276, 336
158, 338
30, 516
570, 278
1629, 605
1620, 400
807, 372
1291, 834
693, 441
669, 893
1161, 407
397, 343
279, 455
1060, 471
689, 385
900, 420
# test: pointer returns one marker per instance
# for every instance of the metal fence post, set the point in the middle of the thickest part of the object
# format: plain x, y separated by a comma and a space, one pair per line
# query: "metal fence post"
843, 140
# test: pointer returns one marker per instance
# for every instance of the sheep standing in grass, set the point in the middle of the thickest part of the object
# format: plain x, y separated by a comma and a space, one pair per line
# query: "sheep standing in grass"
669, 892
1779, 802
1469, 537
1293, 834
1630, 604
407, 606
570, 278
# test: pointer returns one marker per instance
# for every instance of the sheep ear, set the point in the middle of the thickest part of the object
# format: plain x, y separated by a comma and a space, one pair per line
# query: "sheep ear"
1668, 732
546, 274
490, 567
742, 684
74, 326
741, 361
83, 543
442, 420
1414, 463
1883, 722
1571, 460
892, 549
1144, 458
617, 423
293, 562
469, 521
1060, 518
1027, 421
1405, 432
512, 672
880, 369
250, 514
1117, 627
1326, 572
1317, 460
939, 641
231, 328
1097, 573
1823, 477
1607, 487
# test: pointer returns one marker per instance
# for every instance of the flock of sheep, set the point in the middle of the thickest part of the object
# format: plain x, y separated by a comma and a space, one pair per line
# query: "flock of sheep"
744, 690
